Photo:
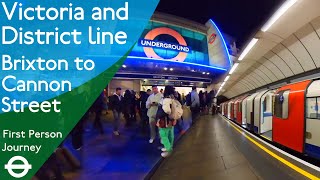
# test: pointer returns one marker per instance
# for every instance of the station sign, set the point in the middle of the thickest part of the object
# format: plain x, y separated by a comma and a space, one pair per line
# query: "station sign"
149, 44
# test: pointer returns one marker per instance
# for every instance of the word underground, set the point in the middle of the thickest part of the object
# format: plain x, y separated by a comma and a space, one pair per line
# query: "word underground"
164, 45
21, 36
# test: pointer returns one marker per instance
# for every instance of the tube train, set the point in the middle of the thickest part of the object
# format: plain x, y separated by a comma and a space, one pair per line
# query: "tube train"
288, 116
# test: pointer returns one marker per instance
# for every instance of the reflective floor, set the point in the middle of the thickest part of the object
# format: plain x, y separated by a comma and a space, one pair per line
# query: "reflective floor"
213, 149
128, 156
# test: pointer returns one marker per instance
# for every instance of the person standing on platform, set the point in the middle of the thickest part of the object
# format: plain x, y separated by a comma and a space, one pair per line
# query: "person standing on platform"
116, 106
152, 105
195, 103
170, 110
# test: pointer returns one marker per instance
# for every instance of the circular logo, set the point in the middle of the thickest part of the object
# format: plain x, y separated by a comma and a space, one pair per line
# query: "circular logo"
281, 98
212, 38
25, 166
163, 30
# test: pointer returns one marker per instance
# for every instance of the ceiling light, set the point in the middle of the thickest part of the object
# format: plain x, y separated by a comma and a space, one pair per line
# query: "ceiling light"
208, 73
171, 69
193, 70
204, 73
248, 48
234, 67
223, 84
165, 68
284, 7
124, 66
226, 79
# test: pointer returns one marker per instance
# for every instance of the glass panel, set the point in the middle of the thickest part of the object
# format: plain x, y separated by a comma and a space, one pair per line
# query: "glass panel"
311, 108
264, 105
318, 105
278, 105
285, 105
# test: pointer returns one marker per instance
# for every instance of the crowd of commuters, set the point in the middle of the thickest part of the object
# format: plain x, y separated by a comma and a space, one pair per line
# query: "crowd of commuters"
147, 104
159, 112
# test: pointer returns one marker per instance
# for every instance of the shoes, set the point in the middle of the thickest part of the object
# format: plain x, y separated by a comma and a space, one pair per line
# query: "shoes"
163, 149
151, 141
116, 133
165, 154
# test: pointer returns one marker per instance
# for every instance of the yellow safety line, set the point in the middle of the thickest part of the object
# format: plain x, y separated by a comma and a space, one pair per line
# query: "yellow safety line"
289, 164
266, 137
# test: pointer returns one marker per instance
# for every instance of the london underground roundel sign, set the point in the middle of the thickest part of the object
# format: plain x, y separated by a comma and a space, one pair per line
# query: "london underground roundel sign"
149, 44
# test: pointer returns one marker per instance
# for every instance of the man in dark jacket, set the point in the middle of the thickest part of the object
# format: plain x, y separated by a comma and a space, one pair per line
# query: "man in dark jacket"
116, 106
97, 108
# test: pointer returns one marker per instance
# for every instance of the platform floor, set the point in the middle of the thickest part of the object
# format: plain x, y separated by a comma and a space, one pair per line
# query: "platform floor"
213, 149
128, 156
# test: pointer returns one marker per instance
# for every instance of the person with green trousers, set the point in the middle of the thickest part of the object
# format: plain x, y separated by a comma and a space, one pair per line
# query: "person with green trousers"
165, 124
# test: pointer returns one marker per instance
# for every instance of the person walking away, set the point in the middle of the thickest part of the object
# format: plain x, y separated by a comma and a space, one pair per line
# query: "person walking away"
180, 125
152, 105
97, 108
116, 106
195, 104
127, 104
169, 111
201, 95
183, 99
133, 109
143, 109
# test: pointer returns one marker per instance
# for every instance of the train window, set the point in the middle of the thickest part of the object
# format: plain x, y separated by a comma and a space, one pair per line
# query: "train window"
264, 105
281, 104
312, 108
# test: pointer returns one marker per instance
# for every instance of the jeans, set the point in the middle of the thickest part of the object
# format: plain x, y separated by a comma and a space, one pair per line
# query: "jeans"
167, 137
152, 124
144, 119
116, 122
194, 112
97, 122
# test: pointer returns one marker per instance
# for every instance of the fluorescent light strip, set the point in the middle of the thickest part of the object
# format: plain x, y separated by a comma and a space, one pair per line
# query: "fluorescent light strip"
284, 7
234, 67
226, 79
248, 48
223, 84
164, 60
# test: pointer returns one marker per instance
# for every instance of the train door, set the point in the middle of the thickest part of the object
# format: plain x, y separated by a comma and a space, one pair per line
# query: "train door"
257, 111
312, 138
229, 110
235, 110
222, 108
250, 111
244, 111
266, 114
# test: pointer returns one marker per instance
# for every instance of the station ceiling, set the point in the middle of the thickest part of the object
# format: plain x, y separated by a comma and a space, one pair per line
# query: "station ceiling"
291, 46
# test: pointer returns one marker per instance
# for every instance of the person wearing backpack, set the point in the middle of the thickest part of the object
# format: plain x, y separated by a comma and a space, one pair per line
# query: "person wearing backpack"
169, 111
